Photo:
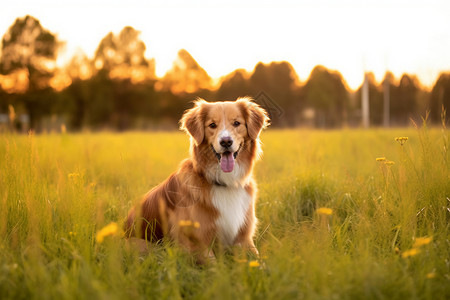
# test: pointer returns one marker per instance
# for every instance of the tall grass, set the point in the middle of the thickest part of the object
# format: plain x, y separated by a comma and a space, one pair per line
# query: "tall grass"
58, 191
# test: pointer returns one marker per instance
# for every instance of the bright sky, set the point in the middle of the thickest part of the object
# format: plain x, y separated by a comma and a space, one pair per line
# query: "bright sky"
349, 36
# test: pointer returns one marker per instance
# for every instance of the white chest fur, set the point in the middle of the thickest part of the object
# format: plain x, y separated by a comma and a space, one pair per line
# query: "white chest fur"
232, 204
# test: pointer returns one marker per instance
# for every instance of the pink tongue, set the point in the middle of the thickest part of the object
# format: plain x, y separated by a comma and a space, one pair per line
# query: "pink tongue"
227, 162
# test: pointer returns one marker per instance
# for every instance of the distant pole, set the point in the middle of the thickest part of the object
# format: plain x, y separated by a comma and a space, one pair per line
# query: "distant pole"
365, 102
386, 103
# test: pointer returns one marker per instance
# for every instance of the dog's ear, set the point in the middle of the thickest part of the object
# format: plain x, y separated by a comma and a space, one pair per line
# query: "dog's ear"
256, 117
192, 121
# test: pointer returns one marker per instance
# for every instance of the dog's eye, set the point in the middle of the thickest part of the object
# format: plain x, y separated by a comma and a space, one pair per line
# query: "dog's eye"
212, 125
236, 123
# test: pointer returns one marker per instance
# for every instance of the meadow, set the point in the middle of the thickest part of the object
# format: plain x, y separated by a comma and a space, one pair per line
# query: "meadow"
343, 214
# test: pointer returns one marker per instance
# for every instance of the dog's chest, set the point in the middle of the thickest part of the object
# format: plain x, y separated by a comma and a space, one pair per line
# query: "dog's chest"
232, 204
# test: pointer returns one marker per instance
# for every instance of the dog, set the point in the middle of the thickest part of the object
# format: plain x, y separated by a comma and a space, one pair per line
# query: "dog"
212, 195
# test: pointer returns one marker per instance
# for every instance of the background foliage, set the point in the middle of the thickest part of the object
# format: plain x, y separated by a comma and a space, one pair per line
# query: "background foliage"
117, 89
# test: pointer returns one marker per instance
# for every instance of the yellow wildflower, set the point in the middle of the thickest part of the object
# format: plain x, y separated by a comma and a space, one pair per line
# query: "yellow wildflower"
110, 229
324, 211
253, 263
196, 225
389, 163
381, 159
410, 252
420, 241
431, 275
401, 139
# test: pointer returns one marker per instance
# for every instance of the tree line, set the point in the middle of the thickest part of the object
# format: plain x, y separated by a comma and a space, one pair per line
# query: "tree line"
117, 89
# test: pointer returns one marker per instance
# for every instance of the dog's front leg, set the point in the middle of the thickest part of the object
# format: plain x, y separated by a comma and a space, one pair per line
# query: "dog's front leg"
199, 247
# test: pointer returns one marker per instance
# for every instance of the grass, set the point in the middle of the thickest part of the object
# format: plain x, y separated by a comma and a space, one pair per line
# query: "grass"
58, 191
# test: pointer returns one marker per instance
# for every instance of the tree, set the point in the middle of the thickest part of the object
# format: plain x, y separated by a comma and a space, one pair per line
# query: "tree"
440, 97
100, 107
404, 100
234, 85
186, 75
121, 68
279, 81
30, 48
326, 92
78, 94
79, 67
122, 56
27, 45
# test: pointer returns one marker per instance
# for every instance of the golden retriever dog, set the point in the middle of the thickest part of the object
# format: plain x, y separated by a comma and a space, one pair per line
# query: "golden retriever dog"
211, 197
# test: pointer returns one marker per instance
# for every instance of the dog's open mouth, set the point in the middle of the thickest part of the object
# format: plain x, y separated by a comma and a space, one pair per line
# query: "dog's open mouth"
226, 159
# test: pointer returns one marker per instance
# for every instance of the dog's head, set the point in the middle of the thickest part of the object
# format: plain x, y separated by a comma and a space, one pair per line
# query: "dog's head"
224, 127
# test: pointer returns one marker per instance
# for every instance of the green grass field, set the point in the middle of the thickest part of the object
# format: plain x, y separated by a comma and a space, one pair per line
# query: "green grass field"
334, 223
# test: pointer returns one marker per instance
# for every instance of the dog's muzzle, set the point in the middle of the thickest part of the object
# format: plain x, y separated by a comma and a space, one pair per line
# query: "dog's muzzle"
226, 159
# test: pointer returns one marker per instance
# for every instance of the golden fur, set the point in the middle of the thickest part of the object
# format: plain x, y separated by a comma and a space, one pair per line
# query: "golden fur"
203, 200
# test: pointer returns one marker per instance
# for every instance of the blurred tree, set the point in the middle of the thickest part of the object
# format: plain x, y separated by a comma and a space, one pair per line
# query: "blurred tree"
29, 47
4, 103
123, 57
440, 97
80, 67
118, 86
105, 55
186, 75
77, 95
234, 85
326, 93
101, 104
279, 82
404, 100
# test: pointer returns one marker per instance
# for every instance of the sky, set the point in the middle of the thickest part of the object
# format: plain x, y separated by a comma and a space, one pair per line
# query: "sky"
352, 36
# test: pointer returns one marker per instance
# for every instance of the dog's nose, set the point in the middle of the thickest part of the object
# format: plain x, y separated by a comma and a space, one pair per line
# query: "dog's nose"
226, 142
